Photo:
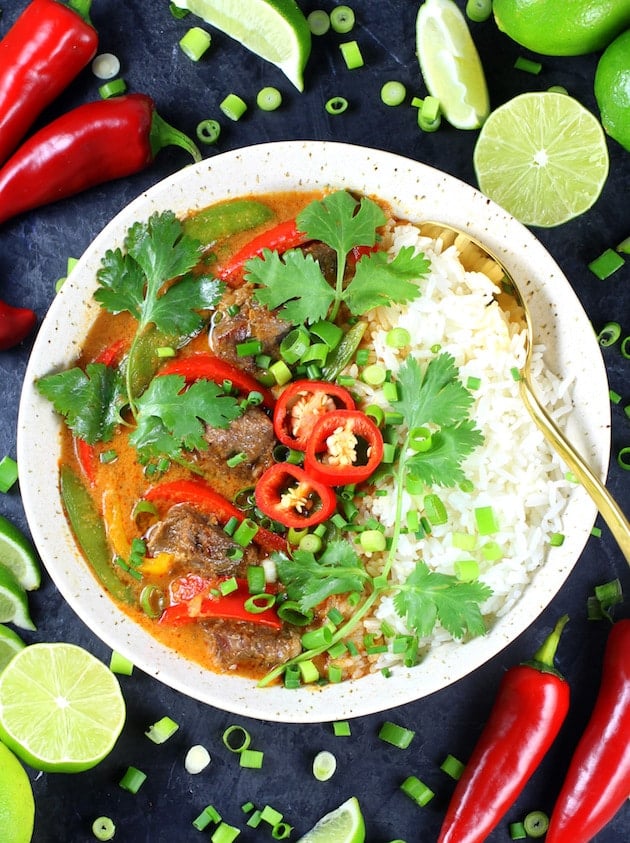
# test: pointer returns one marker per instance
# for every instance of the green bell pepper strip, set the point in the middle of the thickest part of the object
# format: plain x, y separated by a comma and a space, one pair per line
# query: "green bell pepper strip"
226, 218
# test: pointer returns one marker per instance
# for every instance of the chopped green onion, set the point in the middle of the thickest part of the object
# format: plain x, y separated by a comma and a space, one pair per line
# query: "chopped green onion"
473, 382
233, 107
245, 532
242, 735
225, 833
195, 43
372, 541
177, 12
396, 735
324, 766
516, 374
607, 263
281, 830
132, 780
393, 93
625, 347
527, 65
609, 593
615, 398
435, 510
341, 729
624, 246
8, 473
197, 759
249, 348
152, 600
336, 105
207, 816
492, 551
271, 815
596, 532
103, 828
281, 372
294, 345
269, 99
112, 89
316, 353
556, 539
376, 413
486, 520
105, 66
228, 586
208, 131
316, 638
463, 541
236, 459
536, 824
120, 664
430, 109
351, 53
417, 790
517, 831
397, 338
327, 332
478, 10
623, 458
258, 603
251, 758
452, 766
342, 19
163, 729
466, 570
374, 375
318, 22
609, 334
290, 612
255, 579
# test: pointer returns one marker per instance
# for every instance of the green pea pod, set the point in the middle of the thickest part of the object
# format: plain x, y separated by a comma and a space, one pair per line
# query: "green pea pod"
339, 358
217, 221
144, 360
89, 532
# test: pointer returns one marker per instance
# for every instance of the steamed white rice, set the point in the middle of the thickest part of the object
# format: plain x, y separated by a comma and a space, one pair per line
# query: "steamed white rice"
514, 471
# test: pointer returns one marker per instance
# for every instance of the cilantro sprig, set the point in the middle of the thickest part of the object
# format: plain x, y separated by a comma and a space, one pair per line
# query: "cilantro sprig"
295, 284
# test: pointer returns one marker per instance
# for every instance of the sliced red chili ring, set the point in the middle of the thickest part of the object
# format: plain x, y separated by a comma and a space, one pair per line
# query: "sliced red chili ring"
301, 404
287, 494
345, 447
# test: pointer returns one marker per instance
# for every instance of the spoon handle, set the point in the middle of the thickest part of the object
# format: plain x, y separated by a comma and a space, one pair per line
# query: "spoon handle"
608, 507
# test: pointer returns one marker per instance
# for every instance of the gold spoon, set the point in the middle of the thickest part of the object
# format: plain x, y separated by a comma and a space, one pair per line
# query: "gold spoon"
493, 267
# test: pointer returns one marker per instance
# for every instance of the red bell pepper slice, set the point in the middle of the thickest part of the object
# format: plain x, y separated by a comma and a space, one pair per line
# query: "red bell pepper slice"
331, 453
280, 238
205, 366
301, 404
286, 493
198, 493
221, 606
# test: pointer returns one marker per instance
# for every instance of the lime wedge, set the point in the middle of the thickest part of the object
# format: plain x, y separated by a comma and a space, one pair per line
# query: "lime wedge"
13, 601
343, 825
450, 64
18, 555
61, 709
10, 643
543, 157
276, 30
17, 806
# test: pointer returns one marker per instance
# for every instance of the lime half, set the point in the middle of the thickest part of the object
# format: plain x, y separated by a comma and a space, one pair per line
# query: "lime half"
17, 806
18, 555
343, 825
276, 30
10, 644
543, 157
61, 709
450, 64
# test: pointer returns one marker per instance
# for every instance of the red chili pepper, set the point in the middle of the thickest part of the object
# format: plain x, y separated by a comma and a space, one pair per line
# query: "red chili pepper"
301, 404
16, 323
286, 493
217, 370
224, 606
45, 49
280, 238
530, 707
598, 780
91, 144
322, 464
199, 494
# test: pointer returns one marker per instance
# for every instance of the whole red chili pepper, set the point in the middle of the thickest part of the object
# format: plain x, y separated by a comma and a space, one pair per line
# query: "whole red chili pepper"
598, 780
89, 145
532, 702
15, 324
45, 49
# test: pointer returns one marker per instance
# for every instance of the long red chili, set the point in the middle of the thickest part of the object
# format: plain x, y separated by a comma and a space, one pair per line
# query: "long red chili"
532, 702
45, 49
91, 144
597, 783
16, 323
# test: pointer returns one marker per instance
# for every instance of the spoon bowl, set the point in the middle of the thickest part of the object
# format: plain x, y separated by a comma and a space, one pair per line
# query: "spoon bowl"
513, 301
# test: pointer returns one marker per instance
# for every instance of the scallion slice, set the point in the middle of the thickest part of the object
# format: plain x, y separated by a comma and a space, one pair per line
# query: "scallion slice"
132, 780
324, 766
318, 21
103, 828
396, 735
195, 43
197, 759
163, 729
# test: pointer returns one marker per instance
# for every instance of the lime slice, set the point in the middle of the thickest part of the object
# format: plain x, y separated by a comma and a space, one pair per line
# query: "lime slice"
450, 64
13, 601
61, 709
17, 806
343, 825
18, 554
543, 157
10, 643
276, 30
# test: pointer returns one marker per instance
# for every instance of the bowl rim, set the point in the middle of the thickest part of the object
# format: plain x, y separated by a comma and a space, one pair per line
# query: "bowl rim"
415, 191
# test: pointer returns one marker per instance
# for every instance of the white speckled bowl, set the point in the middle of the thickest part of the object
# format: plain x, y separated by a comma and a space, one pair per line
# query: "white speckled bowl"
415, 192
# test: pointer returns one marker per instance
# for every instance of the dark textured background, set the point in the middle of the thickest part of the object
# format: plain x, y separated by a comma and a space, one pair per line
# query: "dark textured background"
33, 253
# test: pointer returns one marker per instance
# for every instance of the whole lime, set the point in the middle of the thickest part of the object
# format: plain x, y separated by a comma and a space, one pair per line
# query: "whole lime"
562, 27
612, 89
17, 806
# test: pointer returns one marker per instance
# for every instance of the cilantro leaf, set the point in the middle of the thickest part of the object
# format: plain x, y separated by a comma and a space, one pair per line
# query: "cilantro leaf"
435, 395
342, 222
309, 580
175, 311
441, 464
428, 596
294, 282
181, 413
379, 281
121, 283
89, 400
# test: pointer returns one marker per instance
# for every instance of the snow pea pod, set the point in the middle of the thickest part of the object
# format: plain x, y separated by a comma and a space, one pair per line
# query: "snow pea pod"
226, 218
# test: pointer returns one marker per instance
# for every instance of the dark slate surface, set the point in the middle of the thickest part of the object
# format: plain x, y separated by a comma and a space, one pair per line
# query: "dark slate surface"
33, 253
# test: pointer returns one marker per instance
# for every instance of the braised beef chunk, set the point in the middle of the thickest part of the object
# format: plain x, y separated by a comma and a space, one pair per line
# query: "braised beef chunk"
325, 257
238, 643
250, 434
198, 543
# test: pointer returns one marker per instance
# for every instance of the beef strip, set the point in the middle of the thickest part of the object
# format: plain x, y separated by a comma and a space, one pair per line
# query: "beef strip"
326, 257
242, 644
198, 543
